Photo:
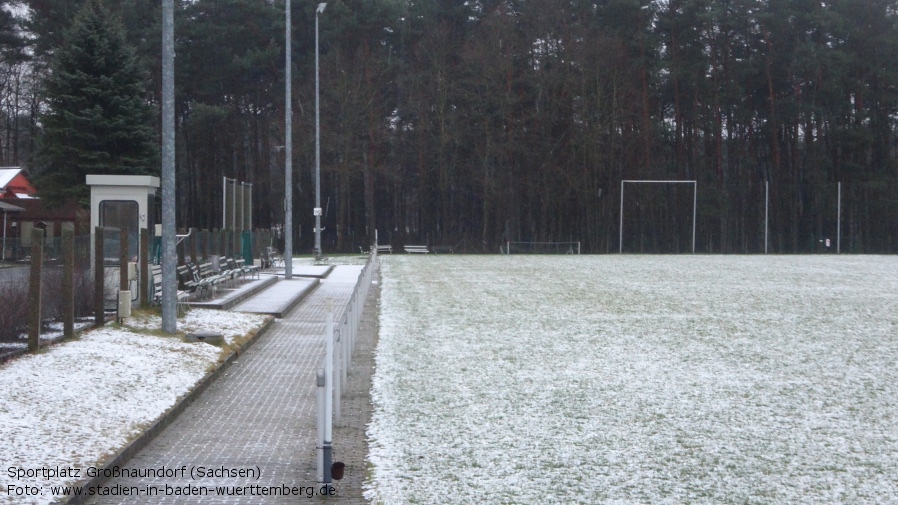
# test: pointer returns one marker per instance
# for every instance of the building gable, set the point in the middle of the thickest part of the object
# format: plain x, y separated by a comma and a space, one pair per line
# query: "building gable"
14, 183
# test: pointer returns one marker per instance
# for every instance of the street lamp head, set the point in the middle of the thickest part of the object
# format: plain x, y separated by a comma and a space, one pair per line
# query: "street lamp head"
320, 8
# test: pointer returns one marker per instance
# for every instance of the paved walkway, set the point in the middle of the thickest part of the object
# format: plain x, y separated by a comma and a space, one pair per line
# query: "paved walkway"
257, 420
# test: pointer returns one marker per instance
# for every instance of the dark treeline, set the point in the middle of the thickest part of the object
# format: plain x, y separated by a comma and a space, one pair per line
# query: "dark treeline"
472, 123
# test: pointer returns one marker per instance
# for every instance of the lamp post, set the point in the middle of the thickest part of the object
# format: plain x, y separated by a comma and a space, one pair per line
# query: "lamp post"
318, 11
288, 155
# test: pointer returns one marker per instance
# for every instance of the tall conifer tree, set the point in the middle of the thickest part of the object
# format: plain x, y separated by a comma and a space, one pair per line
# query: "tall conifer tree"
97, 120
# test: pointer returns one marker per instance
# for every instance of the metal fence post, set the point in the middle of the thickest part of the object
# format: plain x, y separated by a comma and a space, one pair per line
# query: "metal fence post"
320, 381
347, 355
352, 314
338, 373
329, 391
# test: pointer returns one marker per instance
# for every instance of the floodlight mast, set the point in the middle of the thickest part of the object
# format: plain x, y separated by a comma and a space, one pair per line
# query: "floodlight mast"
318, 11
694, 205
288, 152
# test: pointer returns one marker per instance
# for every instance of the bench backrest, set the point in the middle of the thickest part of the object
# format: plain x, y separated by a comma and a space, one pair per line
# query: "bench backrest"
206, 270
183, 276
157, 281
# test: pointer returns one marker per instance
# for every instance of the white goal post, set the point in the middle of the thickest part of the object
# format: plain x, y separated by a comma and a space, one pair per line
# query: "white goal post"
638, 181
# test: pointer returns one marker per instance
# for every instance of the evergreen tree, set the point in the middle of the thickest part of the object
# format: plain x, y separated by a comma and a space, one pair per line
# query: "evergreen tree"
97, 120
11, 41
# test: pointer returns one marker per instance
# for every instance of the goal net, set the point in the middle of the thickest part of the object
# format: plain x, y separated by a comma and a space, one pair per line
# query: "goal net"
542, 247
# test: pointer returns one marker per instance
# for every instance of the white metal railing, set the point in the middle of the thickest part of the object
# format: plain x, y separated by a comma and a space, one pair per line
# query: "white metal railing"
332, 376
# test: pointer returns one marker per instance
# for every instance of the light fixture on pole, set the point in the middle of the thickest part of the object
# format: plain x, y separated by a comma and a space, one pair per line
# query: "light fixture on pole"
318, 11
288, 154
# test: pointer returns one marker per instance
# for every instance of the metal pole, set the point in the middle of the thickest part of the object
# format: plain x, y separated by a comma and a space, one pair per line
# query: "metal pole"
169, 258
347, 355
318, 211
288, 154
338, 375
694, 205
328, 390
224, 203
839, 222
621, 227
766, 213
4, 236
320, 381
353, 321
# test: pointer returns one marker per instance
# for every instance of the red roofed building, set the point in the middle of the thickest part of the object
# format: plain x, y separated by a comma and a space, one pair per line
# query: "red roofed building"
22, 210
14, 183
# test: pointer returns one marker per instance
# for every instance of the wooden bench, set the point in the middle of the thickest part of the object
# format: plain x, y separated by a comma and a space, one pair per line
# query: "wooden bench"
194, 279
416, 249
443, 249
209, 277
236, 271
227, 271
271, 258
384, 249
186, 281
251, 270
156, 299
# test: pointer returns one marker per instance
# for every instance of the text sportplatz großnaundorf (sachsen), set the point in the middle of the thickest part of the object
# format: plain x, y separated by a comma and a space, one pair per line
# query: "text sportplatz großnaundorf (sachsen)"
186, 480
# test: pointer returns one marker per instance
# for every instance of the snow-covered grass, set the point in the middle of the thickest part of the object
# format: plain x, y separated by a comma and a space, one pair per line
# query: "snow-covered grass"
77, 403
636, 379
232, 325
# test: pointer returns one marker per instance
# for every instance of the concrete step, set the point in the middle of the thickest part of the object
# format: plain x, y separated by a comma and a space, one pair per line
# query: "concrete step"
279, 298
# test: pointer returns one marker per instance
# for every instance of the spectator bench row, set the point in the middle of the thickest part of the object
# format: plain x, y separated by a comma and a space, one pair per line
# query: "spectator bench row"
414, 249
203, 280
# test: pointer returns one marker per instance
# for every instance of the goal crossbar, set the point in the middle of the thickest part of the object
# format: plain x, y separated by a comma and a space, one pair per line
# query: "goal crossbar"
643, 181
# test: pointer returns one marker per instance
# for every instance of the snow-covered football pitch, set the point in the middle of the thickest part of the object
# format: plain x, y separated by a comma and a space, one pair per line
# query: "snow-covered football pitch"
636, 379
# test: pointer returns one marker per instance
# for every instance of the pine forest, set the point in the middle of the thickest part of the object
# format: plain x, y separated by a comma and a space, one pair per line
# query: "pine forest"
473, 123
